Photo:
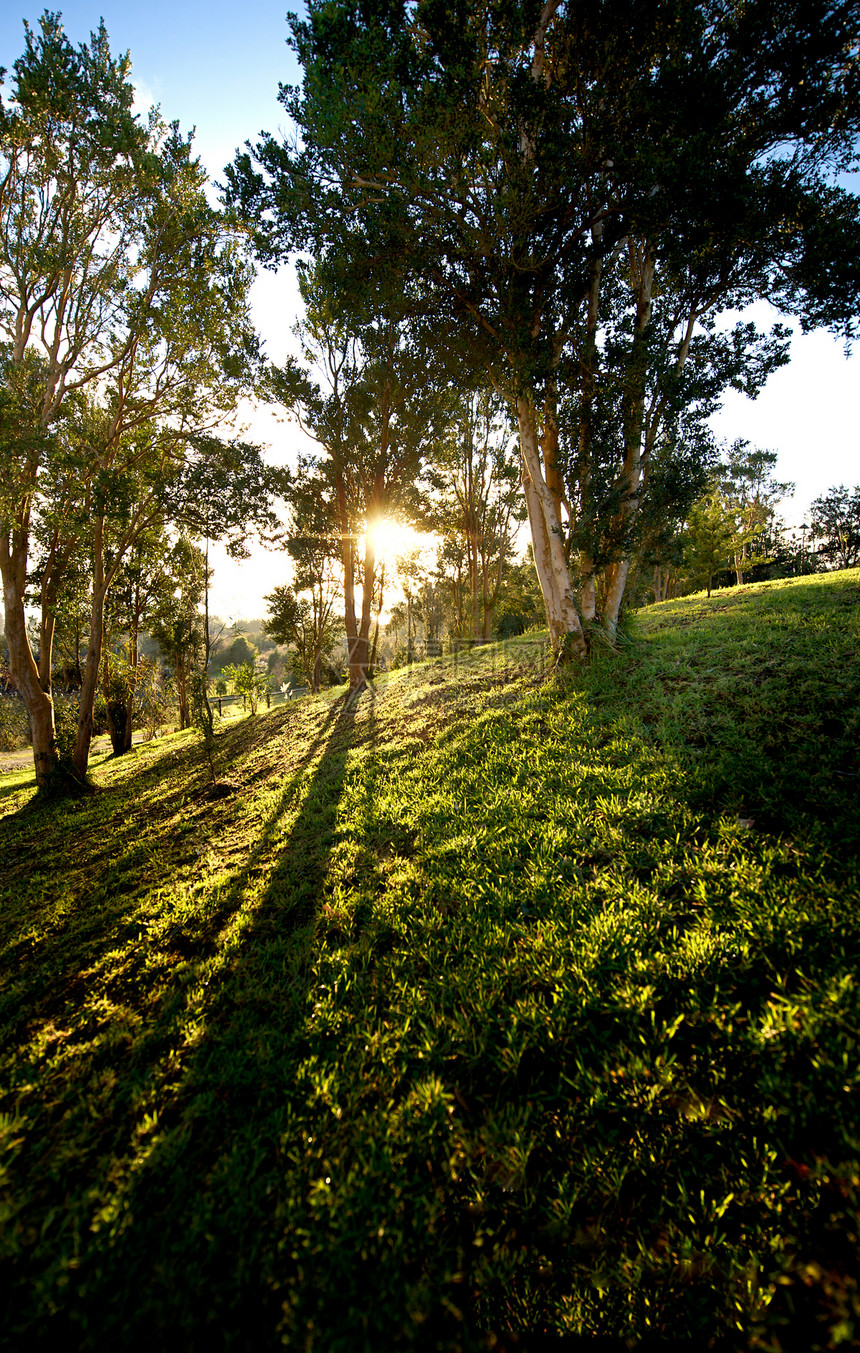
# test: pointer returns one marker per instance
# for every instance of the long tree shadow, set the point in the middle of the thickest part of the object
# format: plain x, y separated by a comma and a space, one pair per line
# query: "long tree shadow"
208, 1069
110, 899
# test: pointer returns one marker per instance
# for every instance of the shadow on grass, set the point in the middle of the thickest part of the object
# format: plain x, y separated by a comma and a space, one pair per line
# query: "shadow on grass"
161, 1123
16, 786
68, 910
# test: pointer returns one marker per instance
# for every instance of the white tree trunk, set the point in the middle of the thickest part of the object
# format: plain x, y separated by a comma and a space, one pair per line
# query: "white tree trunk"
553, 573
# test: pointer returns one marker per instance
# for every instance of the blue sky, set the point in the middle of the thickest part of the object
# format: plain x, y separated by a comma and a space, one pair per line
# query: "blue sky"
213, 65
216, 66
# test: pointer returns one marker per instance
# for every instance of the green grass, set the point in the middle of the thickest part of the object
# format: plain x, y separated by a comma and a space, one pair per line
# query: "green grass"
490, 1007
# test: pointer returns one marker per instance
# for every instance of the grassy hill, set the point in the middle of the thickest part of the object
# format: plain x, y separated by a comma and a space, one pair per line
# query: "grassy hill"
488, 1013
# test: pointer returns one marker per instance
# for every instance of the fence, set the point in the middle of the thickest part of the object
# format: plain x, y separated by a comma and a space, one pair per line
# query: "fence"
270, 697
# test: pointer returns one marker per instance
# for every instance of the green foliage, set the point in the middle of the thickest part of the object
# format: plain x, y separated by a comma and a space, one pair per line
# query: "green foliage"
13, 724
751, 492
306, 624
240, 652
66, 712
835, 521
520, 604
711, 538
248, 684
154, 697
490, 1007
178, 627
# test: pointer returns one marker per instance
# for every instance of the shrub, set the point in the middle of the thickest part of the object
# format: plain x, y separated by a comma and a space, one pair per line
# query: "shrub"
14, 728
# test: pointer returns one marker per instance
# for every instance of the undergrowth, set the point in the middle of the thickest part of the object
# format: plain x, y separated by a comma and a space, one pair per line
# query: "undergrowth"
486, 1011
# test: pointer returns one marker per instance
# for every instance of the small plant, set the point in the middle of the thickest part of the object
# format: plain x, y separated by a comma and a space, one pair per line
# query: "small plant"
203, 719
154, 696
248, 684
66, 708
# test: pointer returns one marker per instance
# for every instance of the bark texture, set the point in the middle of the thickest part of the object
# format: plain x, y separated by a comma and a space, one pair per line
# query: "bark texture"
562, 617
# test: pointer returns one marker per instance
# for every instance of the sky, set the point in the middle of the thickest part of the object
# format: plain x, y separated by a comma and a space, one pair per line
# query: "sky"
216, 66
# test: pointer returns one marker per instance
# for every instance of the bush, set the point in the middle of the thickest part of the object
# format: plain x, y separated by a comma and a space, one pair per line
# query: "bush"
154, 698
14, 727
67, 706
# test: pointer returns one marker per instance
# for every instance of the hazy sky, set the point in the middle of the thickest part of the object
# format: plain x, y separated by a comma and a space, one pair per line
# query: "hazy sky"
216, 66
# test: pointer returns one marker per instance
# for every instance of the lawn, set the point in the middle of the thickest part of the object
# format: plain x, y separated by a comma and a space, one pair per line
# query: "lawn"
489, 1012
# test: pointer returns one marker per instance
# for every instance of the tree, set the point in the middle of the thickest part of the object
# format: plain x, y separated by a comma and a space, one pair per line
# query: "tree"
124, 305
248, 684
375, 410
477, 506
302, 615
520, 603
145, 587
750, 493
711, 538
584, 181
177, 626
296, 620
240, 651
835, 522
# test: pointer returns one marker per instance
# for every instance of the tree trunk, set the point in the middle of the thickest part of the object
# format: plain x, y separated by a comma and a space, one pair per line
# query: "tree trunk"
25, 674
588, 594
473, 583
356, 657
634, 423
356, 674
89, 684
134, 663
553, 573
552, 472
182, 693
363, 646
116, 706
81, 757
47, 627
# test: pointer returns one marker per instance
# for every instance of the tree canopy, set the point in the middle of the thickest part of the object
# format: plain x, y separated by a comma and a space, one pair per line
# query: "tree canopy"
124, 315
553, 173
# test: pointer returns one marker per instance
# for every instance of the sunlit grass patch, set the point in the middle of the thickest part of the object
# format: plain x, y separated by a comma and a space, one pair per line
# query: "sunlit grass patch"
494, 1002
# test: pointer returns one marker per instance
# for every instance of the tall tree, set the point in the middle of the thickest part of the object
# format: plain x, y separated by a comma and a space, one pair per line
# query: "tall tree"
835, 522
303, 614
121, 295
477, 506
546, 161
751, 493
371, 399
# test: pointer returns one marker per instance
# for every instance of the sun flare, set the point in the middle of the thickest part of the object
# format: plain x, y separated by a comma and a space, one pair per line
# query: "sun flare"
391, 539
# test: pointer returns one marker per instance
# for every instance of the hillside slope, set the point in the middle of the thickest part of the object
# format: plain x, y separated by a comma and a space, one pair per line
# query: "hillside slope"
485, 1010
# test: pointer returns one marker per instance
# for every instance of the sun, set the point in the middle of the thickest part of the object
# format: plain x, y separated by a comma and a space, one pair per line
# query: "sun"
391, 539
